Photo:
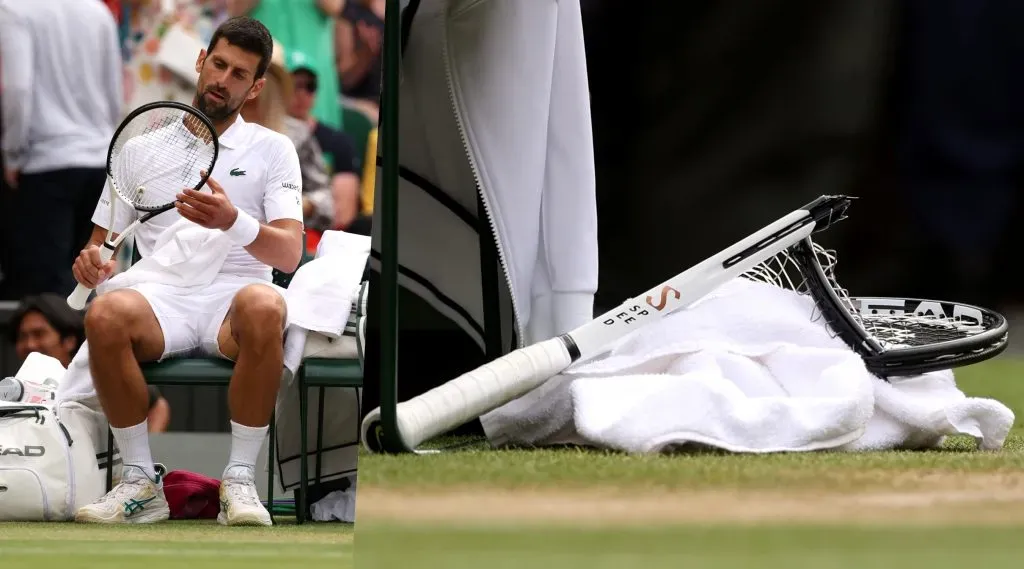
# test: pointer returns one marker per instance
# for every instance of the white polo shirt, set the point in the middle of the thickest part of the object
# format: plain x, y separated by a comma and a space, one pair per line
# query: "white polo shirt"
259, 171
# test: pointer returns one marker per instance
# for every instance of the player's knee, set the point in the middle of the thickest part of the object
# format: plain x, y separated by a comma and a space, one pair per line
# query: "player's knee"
259, 311
109, 317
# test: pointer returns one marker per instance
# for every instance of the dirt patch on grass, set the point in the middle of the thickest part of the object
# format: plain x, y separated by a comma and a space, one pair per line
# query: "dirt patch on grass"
921, 498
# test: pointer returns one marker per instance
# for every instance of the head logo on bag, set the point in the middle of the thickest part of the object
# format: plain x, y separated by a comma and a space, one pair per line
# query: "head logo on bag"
27, 451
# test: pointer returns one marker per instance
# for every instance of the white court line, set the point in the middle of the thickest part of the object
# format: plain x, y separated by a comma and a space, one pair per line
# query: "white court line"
112, 550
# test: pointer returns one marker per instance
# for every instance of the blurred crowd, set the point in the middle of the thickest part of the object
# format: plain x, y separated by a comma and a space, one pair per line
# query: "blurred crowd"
71, 70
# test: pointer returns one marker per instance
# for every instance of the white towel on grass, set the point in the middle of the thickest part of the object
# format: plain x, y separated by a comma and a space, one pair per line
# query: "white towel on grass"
746, 369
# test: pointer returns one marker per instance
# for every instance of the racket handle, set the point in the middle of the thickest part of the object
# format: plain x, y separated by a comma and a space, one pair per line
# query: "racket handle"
81, 293
472, 394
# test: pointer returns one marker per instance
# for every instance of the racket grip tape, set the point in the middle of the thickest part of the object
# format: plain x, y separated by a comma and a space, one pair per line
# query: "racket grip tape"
473, 394
81, 293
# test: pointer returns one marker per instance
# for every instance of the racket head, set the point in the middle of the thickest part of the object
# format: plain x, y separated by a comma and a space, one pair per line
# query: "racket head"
902, 336
920, 335
157, 151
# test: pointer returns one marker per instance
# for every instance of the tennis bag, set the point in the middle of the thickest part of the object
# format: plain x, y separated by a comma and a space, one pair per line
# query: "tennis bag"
48, 466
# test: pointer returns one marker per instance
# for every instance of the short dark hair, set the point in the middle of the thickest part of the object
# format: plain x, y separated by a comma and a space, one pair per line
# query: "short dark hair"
248, 34
68, 322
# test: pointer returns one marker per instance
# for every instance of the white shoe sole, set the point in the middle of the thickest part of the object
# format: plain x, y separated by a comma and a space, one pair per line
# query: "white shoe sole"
149, 517
244, 520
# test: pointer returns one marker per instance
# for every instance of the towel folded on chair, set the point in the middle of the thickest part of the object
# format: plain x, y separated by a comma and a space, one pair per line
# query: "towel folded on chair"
746, 369
322, 296
322, 293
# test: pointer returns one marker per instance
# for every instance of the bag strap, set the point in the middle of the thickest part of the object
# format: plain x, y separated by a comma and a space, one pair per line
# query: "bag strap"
15, 409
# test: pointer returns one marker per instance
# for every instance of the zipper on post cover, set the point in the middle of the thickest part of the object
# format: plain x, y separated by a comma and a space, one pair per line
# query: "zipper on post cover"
453, 100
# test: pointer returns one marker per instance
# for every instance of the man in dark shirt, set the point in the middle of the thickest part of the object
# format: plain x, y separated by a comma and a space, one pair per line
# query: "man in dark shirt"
336, 145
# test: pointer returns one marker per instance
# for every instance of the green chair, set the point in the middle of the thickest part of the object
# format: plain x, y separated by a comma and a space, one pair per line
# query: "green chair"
313, 372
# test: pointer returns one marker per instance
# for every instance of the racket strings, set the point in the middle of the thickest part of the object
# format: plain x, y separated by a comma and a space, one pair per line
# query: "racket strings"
890, 328
158, 154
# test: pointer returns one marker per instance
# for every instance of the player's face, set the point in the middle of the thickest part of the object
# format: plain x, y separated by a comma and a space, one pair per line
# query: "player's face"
227, 79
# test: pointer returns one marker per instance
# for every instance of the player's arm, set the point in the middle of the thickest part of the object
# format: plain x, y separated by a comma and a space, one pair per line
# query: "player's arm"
278, 242
88, 268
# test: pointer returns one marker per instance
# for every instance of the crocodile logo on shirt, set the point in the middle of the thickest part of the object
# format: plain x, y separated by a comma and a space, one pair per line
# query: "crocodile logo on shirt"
237, 172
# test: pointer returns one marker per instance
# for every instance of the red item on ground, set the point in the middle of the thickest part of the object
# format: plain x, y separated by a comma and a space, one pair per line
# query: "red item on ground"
192, 496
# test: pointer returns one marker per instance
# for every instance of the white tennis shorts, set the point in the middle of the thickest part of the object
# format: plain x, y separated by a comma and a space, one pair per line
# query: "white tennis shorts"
191, 320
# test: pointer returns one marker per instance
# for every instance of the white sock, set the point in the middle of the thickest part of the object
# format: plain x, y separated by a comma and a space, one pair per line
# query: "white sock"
133, 442
245, 449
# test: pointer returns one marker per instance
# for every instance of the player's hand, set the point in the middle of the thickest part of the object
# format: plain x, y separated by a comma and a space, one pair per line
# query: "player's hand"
212, 211
90, 270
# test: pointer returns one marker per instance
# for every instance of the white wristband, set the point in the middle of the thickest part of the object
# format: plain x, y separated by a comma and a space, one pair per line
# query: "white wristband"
244, 230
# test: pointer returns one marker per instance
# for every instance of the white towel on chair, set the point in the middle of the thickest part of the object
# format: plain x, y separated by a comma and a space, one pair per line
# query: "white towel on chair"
746, 369
321, 298
323, 292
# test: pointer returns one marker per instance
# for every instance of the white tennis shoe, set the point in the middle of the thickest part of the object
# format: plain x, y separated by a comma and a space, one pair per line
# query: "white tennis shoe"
240, 502
137, 499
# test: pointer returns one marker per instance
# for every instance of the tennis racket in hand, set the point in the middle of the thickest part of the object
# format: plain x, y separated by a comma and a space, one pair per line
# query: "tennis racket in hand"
157, 151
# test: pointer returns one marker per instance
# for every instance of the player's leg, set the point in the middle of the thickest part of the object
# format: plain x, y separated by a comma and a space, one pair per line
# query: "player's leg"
252, 334
122, 329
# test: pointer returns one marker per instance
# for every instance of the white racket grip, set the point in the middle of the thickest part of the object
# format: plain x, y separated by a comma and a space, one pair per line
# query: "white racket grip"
475, 393
81, 293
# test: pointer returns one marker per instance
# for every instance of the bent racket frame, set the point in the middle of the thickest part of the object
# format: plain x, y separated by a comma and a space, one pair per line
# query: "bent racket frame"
900, 336
78, 298
498, 382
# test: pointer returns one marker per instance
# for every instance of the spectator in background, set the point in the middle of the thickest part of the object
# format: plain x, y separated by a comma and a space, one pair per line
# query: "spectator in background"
269, 109
46, 324
61, 103
144, 26
359, 34
341, 177
306, 26
5, 205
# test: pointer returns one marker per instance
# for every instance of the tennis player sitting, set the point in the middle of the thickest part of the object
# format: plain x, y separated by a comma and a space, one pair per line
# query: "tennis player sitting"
255, 196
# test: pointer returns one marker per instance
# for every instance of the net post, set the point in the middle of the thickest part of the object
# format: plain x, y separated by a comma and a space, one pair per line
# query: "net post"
390, 436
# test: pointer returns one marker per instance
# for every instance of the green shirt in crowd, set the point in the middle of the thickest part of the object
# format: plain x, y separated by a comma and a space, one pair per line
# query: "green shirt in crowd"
301, 25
